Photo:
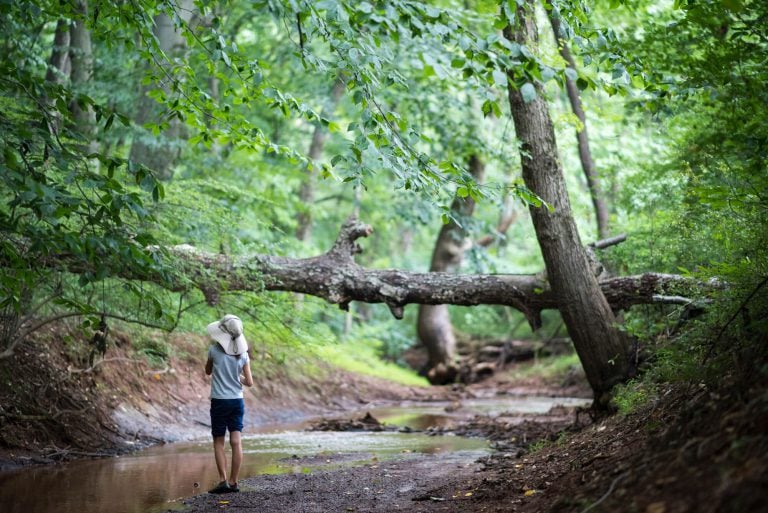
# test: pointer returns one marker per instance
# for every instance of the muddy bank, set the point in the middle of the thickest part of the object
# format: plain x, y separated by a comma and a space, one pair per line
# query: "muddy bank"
693, 450
410, 482
54, 407
403, 485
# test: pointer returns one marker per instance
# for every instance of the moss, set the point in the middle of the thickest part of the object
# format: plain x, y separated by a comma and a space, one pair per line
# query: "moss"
631, 396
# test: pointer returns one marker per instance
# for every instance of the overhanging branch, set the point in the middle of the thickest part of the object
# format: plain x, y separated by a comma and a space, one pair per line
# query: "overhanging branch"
335, 277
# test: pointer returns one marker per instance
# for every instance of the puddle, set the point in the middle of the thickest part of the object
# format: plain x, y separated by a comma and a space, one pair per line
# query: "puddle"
421, 416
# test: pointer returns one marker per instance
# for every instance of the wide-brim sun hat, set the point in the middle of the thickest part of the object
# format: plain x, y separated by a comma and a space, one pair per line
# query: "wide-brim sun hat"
228, 332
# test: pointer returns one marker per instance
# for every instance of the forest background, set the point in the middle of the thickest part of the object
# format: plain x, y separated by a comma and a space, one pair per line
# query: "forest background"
245, 128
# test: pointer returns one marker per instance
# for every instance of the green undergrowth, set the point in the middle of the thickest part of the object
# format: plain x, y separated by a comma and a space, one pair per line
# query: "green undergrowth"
629, 397
550, 368
721, 349
275, 353
543, 443
362, 357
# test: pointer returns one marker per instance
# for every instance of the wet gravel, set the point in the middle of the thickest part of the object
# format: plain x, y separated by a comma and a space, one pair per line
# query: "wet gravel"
413, 482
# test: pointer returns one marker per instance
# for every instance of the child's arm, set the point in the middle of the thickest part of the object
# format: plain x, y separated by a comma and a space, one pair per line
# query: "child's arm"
247, 379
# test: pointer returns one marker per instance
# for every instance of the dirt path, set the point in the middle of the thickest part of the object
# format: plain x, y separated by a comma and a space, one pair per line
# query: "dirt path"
407, 484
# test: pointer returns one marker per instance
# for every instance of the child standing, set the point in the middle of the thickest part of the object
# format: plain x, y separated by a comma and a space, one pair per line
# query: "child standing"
229, 366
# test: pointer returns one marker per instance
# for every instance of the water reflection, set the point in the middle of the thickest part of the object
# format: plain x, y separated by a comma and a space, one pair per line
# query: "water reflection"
146, 481
421, 416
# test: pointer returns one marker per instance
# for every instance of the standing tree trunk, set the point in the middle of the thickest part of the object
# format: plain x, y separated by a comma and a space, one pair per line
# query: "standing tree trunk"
590, 321
582, 138
81, 58
58, 65
434, 322
58, 70
160, 153
307, 190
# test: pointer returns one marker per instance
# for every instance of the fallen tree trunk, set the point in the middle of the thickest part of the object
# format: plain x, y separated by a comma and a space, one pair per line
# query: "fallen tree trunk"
335, 277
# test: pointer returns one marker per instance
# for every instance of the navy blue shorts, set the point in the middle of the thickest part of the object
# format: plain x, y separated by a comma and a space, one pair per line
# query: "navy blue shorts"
226, 414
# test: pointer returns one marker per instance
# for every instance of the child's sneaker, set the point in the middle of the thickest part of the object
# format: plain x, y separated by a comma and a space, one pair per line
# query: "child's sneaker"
222, 487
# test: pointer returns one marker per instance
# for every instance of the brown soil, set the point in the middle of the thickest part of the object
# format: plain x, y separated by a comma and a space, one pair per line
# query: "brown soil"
694, 450
53, 408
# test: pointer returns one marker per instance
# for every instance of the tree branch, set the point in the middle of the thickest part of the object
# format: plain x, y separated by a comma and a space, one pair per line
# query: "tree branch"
337, 278
611, 241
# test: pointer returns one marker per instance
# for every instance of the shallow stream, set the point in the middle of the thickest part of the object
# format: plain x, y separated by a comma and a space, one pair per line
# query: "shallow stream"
154, 479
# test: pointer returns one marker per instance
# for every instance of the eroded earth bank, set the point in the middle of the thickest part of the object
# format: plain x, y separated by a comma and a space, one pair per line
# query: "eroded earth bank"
695, 449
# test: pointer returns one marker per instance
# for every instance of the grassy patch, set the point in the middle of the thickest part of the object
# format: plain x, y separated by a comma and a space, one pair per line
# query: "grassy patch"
361, 357
632, 395
550, 368
538, 445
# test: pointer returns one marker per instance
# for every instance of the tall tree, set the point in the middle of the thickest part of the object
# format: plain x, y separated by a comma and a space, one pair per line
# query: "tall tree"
582, 136
81, 58
316, 145
59, 63
160, 153
59, 66
434, 322
591, 324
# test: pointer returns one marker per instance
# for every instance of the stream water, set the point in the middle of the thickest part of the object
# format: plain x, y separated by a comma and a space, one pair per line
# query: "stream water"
153, 479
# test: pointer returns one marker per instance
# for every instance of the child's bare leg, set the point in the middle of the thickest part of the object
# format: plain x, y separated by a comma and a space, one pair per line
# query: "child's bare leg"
237, 455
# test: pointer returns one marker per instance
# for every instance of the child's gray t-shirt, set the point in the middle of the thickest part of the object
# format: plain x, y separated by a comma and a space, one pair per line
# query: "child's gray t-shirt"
226, 373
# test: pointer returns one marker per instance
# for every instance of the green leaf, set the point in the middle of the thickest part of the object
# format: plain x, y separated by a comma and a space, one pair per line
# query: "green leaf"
528, 92
487, 108
109, 122
499, 78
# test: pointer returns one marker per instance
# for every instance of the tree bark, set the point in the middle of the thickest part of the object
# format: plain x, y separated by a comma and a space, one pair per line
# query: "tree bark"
58, 65
582, 137
434, 322
337, 278
307, 190
602, 348
160, 154
58, 71
81, 58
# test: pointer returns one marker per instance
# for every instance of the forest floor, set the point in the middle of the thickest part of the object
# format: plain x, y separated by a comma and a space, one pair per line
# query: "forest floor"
692, 450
